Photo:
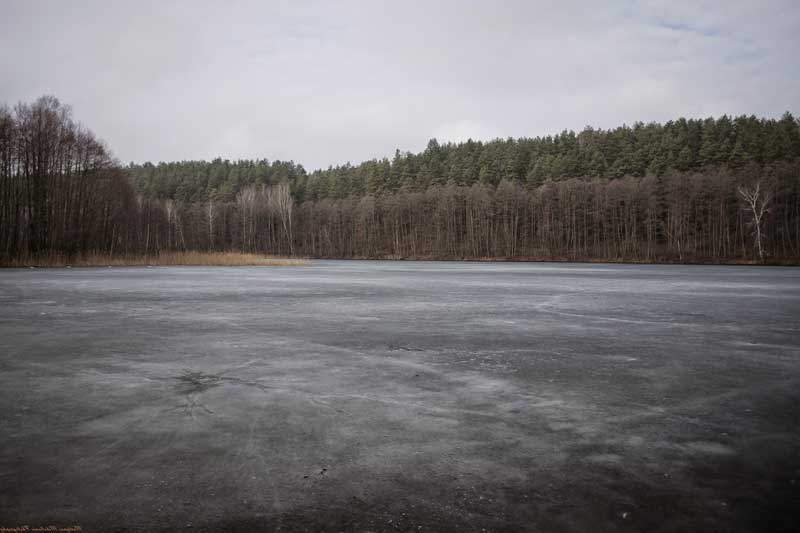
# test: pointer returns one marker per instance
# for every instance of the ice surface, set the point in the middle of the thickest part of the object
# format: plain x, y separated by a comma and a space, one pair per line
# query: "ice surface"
345, 394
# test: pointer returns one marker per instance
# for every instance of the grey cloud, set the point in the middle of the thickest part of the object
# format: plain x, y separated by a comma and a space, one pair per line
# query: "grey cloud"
329, 82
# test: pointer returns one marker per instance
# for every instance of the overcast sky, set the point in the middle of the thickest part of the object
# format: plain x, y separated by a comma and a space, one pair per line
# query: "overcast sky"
329, 82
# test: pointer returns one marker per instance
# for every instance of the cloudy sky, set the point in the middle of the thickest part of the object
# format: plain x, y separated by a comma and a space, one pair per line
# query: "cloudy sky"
328, 82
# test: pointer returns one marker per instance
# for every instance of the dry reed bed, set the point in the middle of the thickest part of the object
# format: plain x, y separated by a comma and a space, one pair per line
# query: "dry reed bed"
162, 259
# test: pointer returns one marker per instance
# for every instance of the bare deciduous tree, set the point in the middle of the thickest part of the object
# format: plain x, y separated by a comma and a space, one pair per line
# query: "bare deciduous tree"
212, 215
280, 201
757, 199
246, 201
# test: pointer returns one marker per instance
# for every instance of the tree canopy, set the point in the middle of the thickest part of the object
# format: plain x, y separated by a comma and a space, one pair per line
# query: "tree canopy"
639, 150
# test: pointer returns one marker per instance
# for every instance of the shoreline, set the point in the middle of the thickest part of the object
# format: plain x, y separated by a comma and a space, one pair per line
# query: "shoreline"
163, 259
600, 260
231, 259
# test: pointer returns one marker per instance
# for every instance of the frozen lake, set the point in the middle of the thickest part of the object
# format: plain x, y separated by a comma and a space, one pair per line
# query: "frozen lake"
401, 396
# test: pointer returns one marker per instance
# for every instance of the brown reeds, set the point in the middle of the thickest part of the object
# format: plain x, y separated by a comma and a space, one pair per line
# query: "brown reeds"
162, 259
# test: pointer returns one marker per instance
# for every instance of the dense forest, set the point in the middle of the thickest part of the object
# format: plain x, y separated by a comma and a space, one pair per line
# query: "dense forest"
638, 151
712, 190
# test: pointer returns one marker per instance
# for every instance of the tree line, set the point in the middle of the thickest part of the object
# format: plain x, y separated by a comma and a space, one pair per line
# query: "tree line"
714, 215
640, 150
688, 190
681, 216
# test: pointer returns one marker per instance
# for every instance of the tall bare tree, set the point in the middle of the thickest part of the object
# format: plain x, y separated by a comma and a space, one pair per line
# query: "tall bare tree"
757, 199
280, 200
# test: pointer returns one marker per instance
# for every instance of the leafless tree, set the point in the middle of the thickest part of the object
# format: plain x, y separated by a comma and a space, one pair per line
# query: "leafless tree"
246, 202
757, 199
211, 213
280, 201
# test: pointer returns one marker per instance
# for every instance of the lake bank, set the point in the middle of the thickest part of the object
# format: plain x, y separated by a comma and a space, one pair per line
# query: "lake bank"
162, 259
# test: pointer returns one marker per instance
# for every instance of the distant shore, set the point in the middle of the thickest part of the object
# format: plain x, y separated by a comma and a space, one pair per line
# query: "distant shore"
552, 259
248, 259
